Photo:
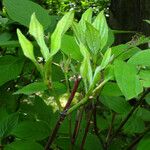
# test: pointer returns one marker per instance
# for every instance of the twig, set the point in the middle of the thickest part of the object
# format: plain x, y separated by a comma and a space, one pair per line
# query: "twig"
63, 114
1, 147
110, 130
86, 130
140, 101
136, 140
77, 125
96, 130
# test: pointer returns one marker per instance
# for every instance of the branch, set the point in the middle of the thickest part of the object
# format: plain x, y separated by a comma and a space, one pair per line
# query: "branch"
140, 101
110, 130
96, 130
137, 139
63, 114
77, 125
86, 130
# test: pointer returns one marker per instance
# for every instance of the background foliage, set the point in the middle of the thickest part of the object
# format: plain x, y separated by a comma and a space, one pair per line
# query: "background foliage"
40, 67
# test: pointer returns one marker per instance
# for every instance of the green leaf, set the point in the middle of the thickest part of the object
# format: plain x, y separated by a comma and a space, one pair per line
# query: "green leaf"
8, 124
62, 26
148, 21
101, 25
32, 109
141, 58
144, 75
70, 47
144, 144
119, 49
21, 11
26, 45
106, 59
5, 36
29, 130
144, 114
9, 44
147, 99
91, 141
117, 104
24, 145
129, 53
127, 79
85, 68
111, 89
92, 37
79, 34
37, 31
111, 39
10, 68
32, 88
86, 17
134, 125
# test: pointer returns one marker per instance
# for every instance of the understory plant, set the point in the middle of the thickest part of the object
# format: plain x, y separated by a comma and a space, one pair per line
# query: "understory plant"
81, 91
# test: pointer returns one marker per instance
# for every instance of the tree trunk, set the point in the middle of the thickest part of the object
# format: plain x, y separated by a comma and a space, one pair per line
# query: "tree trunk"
129, 15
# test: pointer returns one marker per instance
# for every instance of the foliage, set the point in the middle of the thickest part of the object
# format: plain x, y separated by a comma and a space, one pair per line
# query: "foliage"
66, 85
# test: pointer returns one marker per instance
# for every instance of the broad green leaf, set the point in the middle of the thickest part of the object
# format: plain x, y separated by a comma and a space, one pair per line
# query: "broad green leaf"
79, 34
141, 58
59, 88
26, 45
9, 44
8, 124
106, 59
144, 144
144, 76
147, 99
129, 53
62, 26
5, 36
127, 79
117, 104
92, 37
86, 17
101, 25
134, 125
32, 88
111, 89
148, 21
97, 76
111, 39
29, 130
142, 40
70, 47
92, 141
32, 109
119, 49
85, 68
21, 11
23, 145
144, 114
37, 31
10, 68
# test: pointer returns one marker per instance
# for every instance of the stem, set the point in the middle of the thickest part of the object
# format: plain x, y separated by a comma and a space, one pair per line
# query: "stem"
94, 93
110, 130
96, 130
137, 139
140, 101
77, 125
63, 114
86, 130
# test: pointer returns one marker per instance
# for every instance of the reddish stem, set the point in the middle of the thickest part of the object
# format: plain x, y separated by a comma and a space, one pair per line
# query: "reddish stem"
62, 115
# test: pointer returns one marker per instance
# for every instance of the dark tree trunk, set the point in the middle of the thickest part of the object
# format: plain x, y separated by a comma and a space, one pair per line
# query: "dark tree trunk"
129, 15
